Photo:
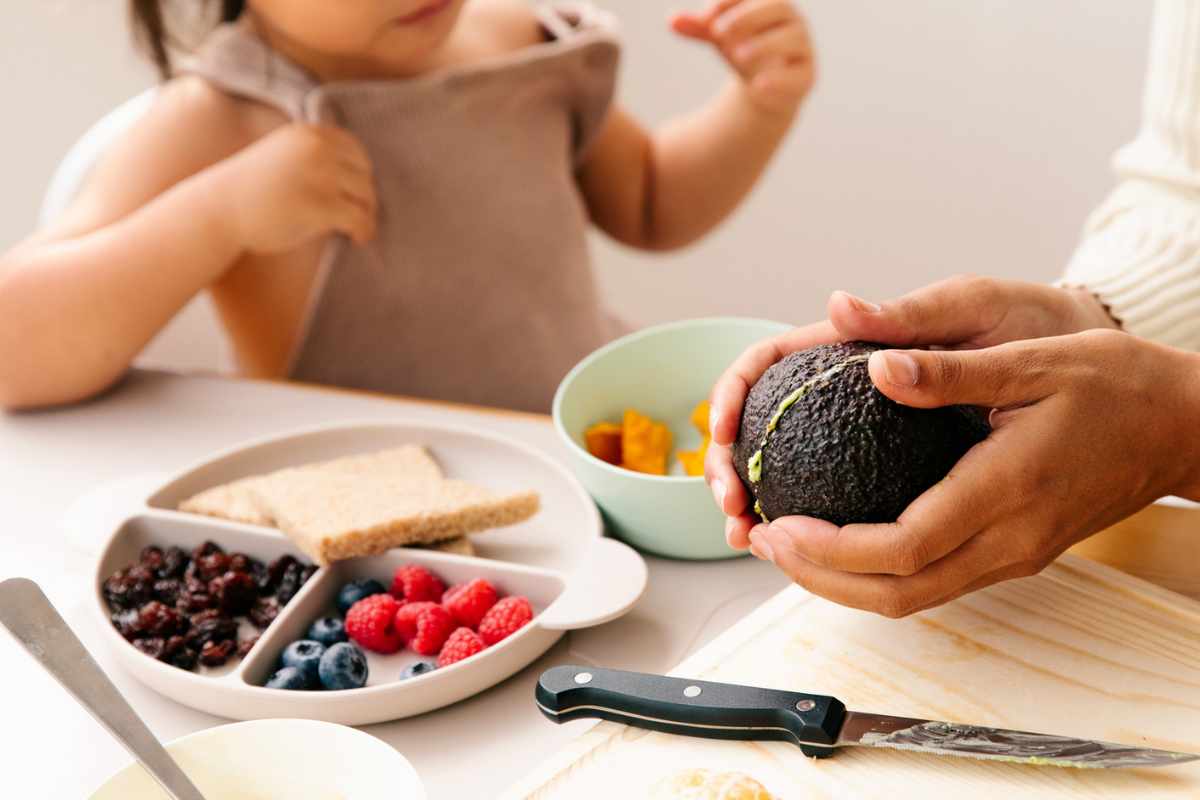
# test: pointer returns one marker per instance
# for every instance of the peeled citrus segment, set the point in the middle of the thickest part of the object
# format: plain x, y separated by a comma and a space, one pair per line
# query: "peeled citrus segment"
603, 440
645, 444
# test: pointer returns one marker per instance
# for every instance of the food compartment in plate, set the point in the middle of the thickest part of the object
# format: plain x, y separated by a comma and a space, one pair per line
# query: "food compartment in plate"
194, 594
541, 587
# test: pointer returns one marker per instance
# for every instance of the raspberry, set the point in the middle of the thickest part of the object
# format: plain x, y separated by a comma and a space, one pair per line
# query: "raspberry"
463, 643
415, 583
406, 619
434, 625
504, 619
372, 623
469, 603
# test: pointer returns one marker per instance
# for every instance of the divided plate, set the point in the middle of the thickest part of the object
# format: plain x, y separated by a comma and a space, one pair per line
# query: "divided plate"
560, 560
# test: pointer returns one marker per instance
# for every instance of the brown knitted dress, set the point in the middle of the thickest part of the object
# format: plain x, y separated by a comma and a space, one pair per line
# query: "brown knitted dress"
478, 287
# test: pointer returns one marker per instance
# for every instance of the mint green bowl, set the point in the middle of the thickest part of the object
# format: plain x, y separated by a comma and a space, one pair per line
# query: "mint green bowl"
662, 372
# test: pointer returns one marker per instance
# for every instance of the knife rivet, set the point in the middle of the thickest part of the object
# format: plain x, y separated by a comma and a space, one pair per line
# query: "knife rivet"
691, 691
583, 677
805, 705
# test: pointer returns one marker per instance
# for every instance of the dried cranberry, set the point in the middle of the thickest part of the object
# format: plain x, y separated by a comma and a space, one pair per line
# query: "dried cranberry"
142, 573
289, 584
262, 576
151, 558
193, 602
207, 549
245, 645
127, 623
239, 562
207, 614
173, 646
264, 612
275, 573
123, 591
235, 592
175, 561
168, 590
181, 656
159, 620
210, 566
152, 646
214, 654
211, 629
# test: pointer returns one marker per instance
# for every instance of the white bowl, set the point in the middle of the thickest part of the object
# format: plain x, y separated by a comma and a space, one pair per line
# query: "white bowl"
278, 759
573, 576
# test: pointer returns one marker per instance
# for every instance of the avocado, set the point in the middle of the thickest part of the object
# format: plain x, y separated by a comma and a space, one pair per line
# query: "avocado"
818, 439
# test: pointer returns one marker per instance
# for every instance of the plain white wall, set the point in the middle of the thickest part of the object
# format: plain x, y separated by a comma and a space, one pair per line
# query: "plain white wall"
943, 137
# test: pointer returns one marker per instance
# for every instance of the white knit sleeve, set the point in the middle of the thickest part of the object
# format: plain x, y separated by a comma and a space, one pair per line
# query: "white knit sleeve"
1140, 252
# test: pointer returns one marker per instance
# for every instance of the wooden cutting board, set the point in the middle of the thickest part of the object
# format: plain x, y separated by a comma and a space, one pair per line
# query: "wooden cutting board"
1080, 650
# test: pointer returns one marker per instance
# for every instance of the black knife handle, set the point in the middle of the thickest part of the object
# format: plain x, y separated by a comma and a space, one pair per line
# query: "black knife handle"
691, 708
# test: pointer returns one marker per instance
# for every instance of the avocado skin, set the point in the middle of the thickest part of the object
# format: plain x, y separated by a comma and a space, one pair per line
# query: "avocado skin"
844, 452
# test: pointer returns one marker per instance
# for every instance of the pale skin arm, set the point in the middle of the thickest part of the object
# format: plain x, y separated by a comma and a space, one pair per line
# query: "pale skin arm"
665, 189
165, 215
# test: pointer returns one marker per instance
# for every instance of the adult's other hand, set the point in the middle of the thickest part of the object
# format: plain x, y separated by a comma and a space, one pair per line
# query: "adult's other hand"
1088, 428
961, 312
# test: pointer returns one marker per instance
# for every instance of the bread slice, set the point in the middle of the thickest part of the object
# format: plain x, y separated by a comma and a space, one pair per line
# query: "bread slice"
235, 501
333, 516
459, 546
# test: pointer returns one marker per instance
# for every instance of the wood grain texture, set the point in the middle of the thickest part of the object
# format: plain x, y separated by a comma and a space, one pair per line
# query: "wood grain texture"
1159, 544
1080, 650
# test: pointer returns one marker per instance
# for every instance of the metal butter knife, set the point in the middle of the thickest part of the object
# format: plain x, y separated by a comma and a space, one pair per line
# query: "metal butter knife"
30, 617
816, 723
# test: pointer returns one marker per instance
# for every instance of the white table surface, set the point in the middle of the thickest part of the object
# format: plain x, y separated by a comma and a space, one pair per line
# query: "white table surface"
51, 748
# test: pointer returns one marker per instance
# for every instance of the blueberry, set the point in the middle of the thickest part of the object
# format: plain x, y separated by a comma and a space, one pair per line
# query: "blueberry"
343, 667
304, 655
354, 591
328, 631
288, 678
419, 668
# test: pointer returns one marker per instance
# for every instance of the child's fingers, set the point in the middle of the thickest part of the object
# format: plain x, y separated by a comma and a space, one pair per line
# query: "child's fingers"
784, 83
359, 187
692, 26
349, 216
784, 44
347, 146
751, 17
356, 207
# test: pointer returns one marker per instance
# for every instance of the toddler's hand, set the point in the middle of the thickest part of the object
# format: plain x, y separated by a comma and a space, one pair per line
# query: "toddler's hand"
297, 183
765, 41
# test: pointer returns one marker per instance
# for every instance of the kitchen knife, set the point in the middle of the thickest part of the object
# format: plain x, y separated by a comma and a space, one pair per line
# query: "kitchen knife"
818, 724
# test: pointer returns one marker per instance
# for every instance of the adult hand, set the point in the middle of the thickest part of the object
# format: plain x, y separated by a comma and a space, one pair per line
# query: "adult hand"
1088, 428
969, 311
725, 416
962, 312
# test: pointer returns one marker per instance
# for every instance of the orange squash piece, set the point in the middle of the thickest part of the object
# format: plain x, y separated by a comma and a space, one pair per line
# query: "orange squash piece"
645, 444
700, 418
603, 440
693, 460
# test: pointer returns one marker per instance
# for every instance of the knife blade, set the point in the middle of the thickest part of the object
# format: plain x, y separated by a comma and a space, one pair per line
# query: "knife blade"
816, 723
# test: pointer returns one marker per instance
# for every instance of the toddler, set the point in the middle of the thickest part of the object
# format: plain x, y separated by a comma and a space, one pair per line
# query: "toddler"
388, 194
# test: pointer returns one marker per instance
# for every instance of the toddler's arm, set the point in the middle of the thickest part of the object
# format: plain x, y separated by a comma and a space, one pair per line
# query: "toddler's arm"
166, 213
665, 190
